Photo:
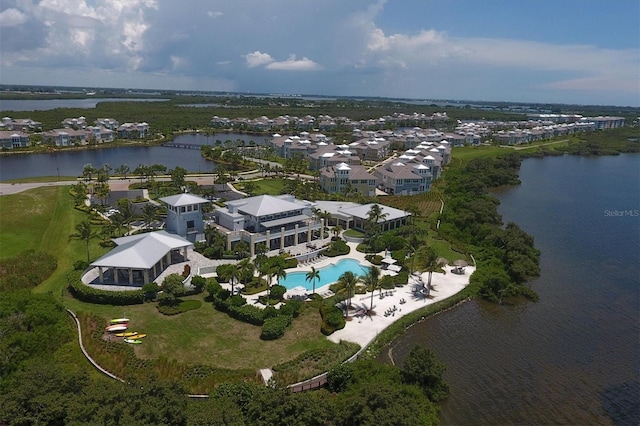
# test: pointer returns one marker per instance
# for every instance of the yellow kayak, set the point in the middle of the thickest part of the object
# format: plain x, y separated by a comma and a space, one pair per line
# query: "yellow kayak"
127, 334
138, 336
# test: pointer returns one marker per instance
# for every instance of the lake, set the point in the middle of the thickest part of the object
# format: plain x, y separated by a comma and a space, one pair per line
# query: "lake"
571, 358
71, 163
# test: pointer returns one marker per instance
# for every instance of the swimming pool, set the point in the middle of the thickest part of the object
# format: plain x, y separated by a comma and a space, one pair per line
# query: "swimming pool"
328, 274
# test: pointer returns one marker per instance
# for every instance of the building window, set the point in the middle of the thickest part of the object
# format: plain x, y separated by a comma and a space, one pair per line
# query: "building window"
191, 224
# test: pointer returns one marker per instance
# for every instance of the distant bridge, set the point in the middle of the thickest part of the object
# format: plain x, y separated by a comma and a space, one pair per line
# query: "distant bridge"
182, 145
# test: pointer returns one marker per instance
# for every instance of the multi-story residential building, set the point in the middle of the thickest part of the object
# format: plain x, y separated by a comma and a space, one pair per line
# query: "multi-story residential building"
400, 178
606, 122
99, 134
344, 178
133, 130
13, 139
75, 123
108, 123
23, 124
64, 137
331, 155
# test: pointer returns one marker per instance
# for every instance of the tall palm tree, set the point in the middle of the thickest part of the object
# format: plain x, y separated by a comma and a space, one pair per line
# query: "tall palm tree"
349, 280
313, 275
371, 279
234, 275
429, 262
412, 245
84, 233
149, 214
245, 268
276, 270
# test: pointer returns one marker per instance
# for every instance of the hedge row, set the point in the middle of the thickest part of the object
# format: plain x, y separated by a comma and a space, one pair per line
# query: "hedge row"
103, 297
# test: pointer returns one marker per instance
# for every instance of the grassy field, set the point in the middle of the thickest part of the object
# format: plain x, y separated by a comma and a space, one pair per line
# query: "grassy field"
42, 179
208, 337
267, 186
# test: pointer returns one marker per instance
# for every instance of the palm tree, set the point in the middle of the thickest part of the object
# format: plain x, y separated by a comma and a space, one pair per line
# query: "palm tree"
412, 245
349, 280
276, 269
372, 280
149, 214
429, 261
84, 233
88, 171
374, 216
313, 275
245, 268
234, 274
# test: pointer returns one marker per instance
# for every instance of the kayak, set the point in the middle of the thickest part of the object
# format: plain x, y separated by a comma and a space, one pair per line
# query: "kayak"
133, 341
119, 320
127, 334
138, 336
117, 327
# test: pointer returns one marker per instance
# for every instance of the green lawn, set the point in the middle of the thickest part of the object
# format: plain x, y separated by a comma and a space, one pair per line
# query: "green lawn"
268, 186
43, 219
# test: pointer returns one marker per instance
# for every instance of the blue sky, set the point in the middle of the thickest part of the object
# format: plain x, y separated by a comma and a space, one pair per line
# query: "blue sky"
558, 51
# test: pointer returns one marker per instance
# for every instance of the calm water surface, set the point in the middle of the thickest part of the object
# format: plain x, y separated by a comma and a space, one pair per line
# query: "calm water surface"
47, 104
573, 357
71, 163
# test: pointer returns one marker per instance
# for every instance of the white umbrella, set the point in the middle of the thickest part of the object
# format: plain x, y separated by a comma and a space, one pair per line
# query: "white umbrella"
389, 260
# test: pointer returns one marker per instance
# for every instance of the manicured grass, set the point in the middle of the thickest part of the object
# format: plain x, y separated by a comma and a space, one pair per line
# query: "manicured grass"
42, 179
206, 336
354, 233
269, 186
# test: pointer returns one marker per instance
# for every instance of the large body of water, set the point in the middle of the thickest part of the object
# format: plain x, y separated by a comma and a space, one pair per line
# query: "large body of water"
71, 163
573, 357
47, 104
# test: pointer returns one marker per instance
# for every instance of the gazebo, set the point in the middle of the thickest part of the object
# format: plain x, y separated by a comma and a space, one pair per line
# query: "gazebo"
139, 259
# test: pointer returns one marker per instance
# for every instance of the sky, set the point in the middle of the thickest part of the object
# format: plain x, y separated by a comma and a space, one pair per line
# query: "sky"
548, 51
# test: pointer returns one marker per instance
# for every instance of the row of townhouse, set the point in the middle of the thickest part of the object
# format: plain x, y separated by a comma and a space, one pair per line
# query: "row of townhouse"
10, 139
105, 127
81, 123
75, 131
520, 136
23, 124
326, 122
71, 136
411, 173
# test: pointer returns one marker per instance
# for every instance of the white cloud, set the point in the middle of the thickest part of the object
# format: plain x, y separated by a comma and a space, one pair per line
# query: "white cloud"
12, 17
293, 64
257, 58
214, 14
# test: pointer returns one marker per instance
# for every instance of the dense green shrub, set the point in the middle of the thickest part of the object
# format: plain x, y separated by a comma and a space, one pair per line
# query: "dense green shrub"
277, 292
292, 307
274, 328
89, 294
270, 312
198, 282
332, 319
336, 248
150, 291
387, 282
